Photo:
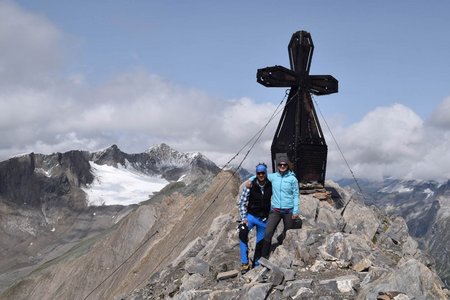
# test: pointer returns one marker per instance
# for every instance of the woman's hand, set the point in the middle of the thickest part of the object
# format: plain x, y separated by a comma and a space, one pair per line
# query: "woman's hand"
248, 184
295, 216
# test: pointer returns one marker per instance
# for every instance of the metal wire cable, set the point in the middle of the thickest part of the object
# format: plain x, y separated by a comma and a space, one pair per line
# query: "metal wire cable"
119, 266
258, 136
259, 133
339, 148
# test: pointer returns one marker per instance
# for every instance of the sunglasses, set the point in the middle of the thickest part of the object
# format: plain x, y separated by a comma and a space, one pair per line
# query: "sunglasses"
282, 165
260, 173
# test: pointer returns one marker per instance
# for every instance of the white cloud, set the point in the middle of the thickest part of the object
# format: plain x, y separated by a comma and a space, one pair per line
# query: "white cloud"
440, 117
41, 112
391, 141
30, 46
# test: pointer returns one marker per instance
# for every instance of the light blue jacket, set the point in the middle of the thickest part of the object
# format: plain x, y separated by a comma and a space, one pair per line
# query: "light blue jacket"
285, 191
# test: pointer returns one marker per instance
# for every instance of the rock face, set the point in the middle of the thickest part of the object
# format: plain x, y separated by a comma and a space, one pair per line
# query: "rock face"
37, 179
425, 206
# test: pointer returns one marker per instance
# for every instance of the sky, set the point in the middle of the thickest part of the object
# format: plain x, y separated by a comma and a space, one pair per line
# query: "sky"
89, 74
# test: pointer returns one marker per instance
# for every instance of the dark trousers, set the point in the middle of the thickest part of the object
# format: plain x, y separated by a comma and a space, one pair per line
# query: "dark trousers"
272, 223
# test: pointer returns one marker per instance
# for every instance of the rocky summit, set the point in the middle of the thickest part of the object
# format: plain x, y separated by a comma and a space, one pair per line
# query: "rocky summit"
183, 244
345, 250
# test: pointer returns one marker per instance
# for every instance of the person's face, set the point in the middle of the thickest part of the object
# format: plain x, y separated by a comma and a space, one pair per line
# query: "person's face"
261, 176
282, 167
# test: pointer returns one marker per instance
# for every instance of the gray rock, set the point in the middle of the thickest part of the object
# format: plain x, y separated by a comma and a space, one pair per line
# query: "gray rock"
309, 206
319, 266
190, 251
275, 275
275, 295
362, 265
373, 274
255, 275
304, 293
193, 282
293, 286
328, 218
410, 247
360, 219
196, 265
281, 257
228, 274
193, 295
259, 291
226, 294
343, 284
411, 278
289, 274
336, 248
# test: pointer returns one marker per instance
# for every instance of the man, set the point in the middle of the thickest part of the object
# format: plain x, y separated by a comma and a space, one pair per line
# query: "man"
254, 207
285, 202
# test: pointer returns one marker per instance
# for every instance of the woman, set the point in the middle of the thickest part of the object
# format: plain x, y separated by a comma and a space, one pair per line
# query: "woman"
284, 202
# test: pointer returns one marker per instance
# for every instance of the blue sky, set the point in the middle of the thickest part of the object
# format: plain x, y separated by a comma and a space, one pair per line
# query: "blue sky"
184, 73
381, 52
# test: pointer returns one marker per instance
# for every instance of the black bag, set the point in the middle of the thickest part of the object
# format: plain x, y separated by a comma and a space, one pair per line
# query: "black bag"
297, 223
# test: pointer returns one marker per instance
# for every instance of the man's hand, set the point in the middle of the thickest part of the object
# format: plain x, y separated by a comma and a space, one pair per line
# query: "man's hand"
296, 216
245, 222
248, 184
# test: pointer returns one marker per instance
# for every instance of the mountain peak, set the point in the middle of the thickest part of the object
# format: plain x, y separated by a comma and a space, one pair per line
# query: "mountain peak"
110, 156
161, 148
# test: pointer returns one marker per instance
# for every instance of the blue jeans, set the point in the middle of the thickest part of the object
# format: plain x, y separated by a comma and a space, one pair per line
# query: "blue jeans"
243, 238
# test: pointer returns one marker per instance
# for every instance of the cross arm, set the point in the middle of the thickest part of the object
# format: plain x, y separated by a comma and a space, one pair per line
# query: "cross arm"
276, 76
323, 84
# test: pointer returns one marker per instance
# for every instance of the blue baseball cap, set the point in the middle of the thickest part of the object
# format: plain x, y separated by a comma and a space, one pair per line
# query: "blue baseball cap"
261, 168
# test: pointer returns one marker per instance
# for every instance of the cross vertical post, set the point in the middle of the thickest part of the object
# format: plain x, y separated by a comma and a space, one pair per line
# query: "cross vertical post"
299, 134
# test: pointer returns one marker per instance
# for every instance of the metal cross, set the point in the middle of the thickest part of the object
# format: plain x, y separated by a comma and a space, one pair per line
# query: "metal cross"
299, 134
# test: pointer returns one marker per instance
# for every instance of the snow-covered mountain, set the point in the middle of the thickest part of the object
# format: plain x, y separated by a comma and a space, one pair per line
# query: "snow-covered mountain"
425, 205
49, 202
78, 178
121, 178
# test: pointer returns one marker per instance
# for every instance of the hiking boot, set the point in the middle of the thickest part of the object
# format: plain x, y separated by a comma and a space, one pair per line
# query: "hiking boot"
245, 268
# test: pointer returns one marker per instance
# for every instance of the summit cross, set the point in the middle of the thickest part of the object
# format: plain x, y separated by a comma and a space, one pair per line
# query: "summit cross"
299, 134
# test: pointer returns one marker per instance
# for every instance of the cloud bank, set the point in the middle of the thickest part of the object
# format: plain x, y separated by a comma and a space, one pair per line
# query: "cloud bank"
44, 109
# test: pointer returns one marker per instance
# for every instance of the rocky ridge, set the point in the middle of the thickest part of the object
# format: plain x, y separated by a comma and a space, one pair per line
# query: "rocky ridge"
186, 247
347, 251
425, 206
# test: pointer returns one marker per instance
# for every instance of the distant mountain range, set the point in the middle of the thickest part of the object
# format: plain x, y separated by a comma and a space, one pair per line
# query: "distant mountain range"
49, 202
71, 178
425, 206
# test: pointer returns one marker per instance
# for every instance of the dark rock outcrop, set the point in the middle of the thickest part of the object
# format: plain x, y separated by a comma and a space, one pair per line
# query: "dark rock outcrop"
48, 180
